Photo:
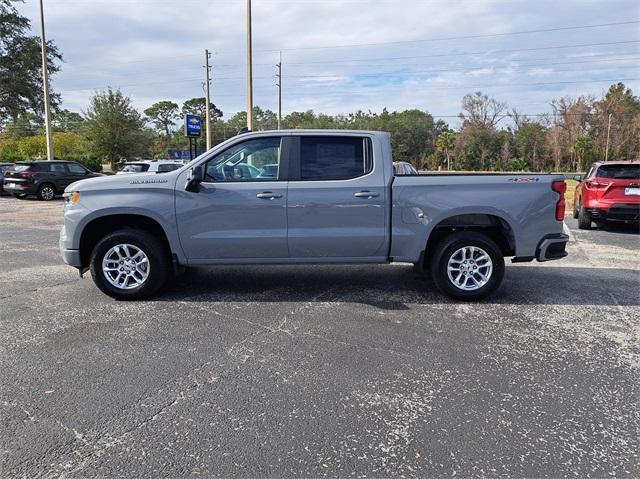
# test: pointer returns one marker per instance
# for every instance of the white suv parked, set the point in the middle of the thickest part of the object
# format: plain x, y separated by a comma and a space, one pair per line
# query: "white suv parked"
150, 166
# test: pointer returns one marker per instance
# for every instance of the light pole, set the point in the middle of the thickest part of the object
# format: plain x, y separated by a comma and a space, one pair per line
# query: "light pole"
606, 151
207, 100
45, 86
249, 70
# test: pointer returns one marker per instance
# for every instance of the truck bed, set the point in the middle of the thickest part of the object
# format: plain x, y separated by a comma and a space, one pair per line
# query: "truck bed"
524, 203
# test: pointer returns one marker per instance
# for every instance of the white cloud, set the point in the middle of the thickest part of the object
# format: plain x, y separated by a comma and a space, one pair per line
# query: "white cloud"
153, 50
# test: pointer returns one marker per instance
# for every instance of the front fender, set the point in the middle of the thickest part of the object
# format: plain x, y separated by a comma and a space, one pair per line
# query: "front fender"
157, 204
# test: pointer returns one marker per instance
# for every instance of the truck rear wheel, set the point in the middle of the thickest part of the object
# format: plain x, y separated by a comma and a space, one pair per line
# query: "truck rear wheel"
129, 264
467, 266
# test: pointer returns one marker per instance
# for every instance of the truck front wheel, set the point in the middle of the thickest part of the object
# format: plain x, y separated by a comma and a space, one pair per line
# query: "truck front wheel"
129, 264
467, 266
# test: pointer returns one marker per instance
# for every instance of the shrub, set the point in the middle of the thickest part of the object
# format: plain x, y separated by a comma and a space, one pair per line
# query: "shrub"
33, 148
518, 164
9, 152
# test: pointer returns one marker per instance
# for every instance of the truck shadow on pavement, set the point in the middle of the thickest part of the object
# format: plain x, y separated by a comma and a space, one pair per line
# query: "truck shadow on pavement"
620, 228
397, 287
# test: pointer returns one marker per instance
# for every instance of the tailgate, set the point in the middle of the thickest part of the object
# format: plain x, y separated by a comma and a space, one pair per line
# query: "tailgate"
622, 191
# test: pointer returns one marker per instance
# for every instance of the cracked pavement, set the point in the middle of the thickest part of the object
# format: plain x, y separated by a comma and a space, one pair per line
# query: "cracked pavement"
318, 371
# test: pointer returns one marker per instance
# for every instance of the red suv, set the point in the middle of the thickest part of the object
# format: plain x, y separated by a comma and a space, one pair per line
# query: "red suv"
608, 192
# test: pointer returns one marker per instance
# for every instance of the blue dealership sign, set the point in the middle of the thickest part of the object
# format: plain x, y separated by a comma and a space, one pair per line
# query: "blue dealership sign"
193, 125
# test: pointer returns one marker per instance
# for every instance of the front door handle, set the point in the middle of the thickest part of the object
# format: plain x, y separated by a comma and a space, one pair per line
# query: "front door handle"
268, 195
366, 194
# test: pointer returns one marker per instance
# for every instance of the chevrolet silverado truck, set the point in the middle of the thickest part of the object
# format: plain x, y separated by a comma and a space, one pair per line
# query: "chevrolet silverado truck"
333, 198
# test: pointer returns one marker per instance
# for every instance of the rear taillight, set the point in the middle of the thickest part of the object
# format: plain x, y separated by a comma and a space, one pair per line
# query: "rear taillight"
28, 174
595, 185
560, 187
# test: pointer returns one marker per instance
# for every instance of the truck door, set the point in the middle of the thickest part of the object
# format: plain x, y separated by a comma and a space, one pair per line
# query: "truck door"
239, 211
336, 205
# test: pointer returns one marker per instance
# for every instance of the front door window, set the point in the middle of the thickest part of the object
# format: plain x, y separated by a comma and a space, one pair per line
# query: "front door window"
253, 160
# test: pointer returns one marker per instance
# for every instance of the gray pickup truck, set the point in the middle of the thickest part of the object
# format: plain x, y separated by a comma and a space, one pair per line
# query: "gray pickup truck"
307, 196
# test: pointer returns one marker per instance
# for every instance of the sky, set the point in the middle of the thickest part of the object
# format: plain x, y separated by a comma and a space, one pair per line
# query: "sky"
340, 56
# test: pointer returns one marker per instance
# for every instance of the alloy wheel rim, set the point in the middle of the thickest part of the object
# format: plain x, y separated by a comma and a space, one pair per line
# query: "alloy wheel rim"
47, 193
469, 268
126, 266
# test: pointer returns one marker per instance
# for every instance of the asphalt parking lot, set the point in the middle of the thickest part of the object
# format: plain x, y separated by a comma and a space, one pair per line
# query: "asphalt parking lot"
318, 371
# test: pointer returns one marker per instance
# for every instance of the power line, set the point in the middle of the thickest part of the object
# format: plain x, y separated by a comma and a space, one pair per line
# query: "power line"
483, 87
188, 80
463, 37
446, 70
587, 59
279, 85
430, 87
514, 50
367, 59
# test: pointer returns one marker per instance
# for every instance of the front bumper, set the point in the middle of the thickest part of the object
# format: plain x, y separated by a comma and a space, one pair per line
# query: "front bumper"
71, 257
552, 247
617, 212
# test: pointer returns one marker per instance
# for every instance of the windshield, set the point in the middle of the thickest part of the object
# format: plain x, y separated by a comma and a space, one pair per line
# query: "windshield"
135, 167
626, 172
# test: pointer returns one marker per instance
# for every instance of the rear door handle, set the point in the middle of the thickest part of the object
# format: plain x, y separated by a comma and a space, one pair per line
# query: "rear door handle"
268, 195
366, 194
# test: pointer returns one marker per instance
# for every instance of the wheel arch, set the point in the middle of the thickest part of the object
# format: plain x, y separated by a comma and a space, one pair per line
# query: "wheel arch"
100, 226
496, 227
50, 183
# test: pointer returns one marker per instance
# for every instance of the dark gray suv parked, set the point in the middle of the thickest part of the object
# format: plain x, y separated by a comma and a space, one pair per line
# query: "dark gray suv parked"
3, 167
44, 179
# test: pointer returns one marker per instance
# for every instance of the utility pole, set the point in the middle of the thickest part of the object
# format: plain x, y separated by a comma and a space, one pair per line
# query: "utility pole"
45, 86
207, 98
249, 70
279, 84
606, 153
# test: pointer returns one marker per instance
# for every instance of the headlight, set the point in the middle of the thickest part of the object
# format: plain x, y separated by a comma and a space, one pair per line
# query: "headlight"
72, 197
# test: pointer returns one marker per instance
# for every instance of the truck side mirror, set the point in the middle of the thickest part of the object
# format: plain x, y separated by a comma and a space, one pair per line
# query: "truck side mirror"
578, 177
196, 176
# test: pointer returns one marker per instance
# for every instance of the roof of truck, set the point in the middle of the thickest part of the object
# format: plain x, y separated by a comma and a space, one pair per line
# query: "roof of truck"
318, 132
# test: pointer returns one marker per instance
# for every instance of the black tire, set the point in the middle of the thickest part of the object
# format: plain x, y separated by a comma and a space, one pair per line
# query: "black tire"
156, 252
20, 196
576, 210
445, 250
584, 219
46, 192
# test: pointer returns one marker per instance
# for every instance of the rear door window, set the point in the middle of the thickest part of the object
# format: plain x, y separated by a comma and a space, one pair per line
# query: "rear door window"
333, 158
57, 168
